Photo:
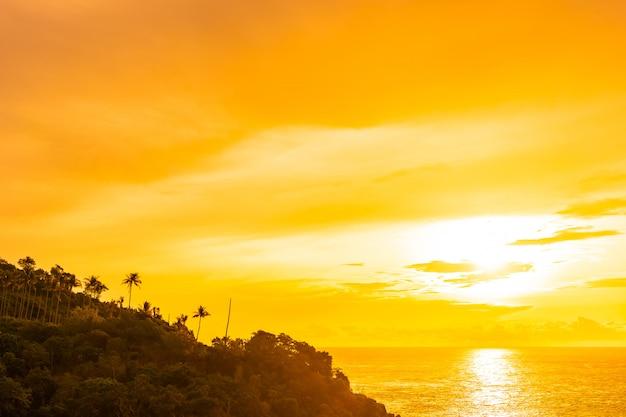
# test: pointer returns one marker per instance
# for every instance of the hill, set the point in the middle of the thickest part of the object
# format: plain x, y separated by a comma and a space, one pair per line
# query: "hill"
72, 355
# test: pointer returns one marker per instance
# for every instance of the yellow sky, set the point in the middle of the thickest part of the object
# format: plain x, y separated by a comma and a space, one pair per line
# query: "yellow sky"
349, 172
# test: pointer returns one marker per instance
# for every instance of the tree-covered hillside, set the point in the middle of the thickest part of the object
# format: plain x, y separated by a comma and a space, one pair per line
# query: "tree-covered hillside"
68, 354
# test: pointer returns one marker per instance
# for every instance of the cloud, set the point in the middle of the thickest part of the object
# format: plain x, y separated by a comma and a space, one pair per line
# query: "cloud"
612, 180
354, 264
607, 283
581, 331
468, 280
572, 233
465, 281
476, 276
366, 288
607, 207
444, 267
513, 268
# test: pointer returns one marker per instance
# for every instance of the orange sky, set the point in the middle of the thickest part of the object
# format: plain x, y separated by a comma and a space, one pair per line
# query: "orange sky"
349, 172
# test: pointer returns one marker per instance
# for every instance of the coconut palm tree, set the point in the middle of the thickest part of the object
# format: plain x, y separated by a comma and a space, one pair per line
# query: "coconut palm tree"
120, 302
6, 283
146, 307
56, 295
182, 320
132, 279
7, 272
94, 287
28, 268
200, 313
72, 282
57, 283
180, 323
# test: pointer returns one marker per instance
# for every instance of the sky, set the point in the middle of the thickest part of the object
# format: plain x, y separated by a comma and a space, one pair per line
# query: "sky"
348, 172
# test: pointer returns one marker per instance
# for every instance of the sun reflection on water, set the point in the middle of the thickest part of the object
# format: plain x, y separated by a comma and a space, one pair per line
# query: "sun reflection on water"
492, 382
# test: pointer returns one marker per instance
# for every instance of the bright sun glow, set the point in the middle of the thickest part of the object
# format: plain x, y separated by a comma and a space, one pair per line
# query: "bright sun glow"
483, 241
490, 268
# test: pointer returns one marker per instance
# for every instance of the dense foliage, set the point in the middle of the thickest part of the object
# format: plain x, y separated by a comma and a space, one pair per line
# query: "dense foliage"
68, 354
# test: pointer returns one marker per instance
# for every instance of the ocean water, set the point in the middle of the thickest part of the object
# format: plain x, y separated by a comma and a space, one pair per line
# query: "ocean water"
438, 382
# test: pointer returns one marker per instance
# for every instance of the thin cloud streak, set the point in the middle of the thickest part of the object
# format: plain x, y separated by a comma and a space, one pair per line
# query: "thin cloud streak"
469, 280
566, 235
607, 283
443, 267
607, 207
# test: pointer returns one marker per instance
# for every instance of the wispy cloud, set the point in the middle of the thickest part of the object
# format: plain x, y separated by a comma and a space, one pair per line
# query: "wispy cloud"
607, 207
444, 267
354, 264
607, 283
604, 180
572, 233
466, 281
369, 288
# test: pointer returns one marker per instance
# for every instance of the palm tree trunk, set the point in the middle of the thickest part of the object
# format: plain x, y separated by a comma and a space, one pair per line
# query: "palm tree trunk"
230, 302
45, 306
27, 311
32, 307
4, 296
69, 298
22, 298
38, 307
56, 316
199, 323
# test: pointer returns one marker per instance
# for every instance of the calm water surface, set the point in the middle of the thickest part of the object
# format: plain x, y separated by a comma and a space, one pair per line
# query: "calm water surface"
525, 382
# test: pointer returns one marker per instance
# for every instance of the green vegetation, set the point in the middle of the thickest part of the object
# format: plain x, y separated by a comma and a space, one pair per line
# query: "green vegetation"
69, 354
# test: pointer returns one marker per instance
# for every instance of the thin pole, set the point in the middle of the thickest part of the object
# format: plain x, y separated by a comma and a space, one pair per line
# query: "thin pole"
230, 302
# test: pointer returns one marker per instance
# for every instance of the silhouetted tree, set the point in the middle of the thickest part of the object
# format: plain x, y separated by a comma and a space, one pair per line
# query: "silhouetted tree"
14, 399
146, 308
56, 285
94, 287
70, 283
7, 274
200, 313
120, 303
28, 267
132, 280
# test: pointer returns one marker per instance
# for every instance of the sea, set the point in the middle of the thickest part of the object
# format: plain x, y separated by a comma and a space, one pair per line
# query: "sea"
525, 382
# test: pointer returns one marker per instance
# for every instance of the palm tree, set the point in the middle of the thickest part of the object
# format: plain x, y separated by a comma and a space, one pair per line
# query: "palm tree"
70, 283
132, 279
7, 272
120, 302
28, 268
111, 307
181, 325
22, 285
6, 282
200, 313
56, 285
94, 287
182, 320
146, 307
56, 293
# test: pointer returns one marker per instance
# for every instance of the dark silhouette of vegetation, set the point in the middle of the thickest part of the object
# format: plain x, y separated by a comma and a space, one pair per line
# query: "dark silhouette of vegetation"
69, 354
200, 313
132, 280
